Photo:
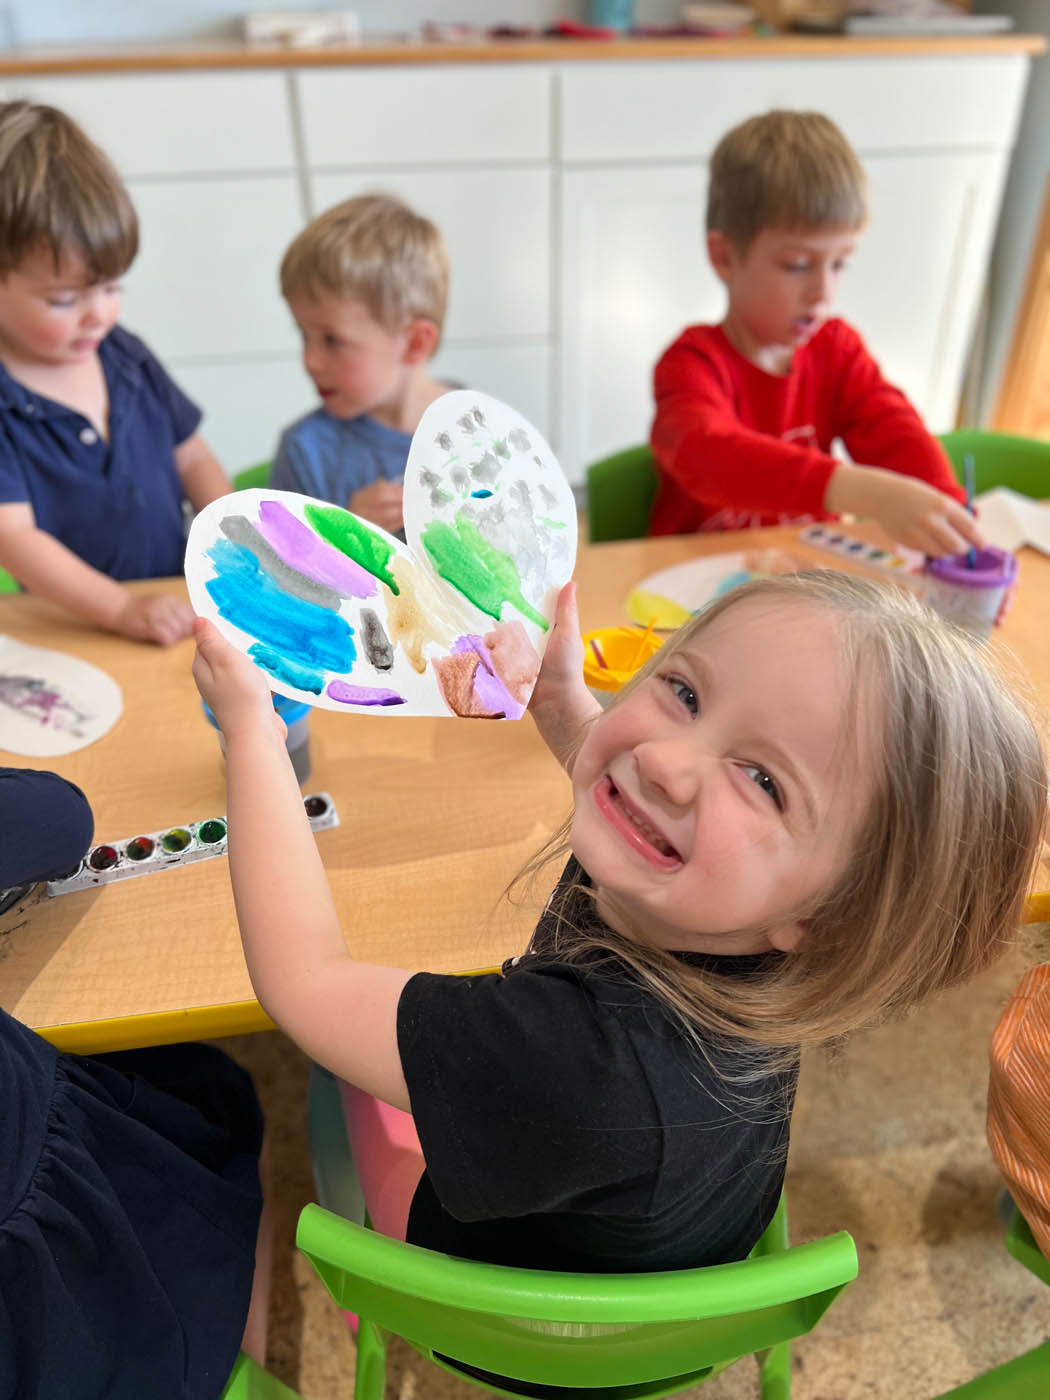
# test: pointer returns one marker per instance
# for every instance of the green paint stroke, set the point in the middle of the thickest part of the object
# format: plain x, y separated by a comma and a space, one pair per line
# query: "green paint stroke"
482, 573
353, 538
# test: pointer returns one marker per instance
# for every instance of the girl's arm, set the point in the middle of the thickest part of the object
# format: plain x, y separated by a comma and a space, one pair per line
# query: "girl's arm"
342, 1013
203, 479
44, 565
561, 704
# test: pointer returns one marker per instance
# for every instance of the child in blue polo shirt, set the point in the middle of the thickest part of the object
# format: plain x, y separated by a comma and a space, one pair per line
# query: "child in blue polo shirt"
98, 446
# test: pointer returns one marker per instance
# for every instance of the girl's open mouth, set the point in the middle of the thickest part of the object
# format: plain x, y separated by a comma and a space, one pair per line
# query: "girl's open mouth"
635, 827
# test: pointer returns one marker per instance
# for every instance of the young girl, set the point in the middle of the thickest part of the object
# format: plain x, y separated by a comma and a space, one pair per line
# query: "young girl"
815, 807
129, 1186
98, 445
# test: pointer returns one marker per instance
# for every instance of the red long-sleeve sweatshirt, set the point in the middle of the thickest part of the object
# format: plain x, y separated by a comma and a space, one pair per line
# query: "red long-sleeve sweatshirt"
737, 447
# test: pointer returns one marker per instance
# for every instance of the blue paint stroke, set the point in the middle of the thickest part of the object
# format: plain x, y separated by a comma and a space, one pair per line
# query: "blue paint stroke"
362, 694
283, 670
481, 495
301, 632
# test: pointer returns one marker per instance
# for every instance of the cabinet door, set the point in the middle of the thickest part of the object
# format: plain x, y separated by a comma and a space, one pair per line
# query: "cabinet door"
634, 274
496, 222
205, 282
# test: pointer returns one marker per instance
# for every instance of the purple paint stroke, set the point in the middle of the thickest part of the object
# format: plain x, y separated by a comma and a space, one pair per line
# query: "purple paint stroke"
299, 547
362, 694
488, 687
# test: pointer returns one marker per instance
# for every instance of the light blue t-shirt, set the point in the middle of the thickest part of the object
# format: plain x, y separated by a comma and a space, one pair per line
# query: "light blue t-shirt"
331, 458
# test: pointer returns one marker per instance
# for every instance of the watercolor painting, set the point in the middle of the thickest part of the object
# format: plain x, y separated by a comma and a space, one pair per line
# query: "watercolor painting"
51, 703
670, 597
454, 621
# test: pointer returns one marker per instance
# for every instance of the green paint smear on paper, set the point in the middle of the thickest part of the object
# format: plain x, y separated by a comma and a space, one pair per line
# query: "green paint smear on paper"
552, 524
482, 573
353, 538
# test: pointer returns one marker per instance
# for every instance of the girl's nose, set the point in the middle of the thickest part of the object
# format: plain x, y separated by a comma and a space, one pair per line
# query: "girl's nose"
671, 768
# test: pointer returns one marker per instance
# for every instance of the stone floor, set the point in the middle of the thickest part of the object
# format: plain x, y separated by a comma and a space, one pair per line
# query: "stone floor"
888, 1143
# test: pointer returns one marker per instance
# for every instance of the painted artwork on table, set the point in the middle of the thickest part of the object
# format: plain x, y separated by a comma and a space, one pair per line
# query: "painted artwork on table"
51, 703
667, 599
342, 615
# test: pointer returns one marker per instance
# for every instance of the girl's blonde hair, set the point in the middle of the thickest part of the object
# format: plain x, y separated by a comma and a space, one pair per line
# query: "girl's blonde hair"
942, 859
376, 249
784, 170
60, 192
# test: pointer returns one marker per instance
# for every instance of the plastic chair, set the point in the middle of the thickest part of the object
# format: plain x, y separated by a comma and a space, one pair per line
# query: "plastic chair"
1026, 1377
8, 584
257, 476
1000, 459
615, 1336
620, 492
248, 1381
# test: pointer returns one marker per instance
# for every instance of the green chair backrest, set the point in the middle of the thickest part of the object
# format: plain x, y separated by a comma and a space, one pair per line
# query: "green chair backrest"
1020, 1242
620, 492
1000, 459
252, 476
248, 1381
8, 584
643, 1335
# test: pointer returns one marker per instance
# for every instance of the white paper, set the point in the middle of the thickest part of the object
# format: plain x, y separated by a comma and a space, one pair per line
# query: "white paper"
51, 703
343, 616
1010, 521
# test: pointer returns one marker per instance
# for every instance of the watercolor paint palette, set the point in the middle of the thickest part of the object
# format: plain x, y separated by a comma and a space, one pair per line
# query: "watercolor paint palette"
897, 560
343, 616
175, 846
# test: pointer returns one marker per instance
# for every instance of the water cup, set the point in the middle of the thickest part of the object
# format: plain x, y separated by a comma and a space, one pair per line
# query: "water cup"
970, 597
623, 650
611, 14
296, 718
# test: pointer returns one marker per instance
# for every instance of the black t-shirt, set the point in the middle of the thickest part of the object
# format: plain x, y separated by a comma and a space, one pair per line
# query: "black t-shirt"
568, 1123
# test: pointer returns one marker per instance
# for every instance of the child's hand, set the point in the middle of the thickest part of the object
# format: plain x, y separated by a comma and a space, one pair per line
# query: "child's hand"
382, 503
561, 704
155, 617
911, 512
232, 687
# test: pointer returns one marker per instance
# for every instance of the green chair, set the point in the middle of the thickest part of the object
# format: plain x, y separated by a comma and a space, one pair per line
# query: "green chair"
999, 459
8, 584
248, 1381
620, 492
614, 1336
1026, 1377
257, 476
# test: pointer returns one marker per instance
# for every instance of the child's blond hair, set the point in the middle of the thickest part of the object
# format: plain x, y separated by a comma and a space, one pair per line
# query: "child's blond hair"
59, 192
784, 170
936, 881
377, 250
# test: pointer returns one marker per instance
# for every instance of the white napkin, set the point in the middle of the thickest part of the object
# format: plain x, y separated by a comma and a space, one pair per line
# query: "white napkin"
1010, 521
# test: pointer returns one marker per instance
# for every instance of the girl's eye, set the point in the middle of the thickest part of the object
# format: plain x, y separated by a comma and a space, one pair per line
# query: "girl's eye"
766, 783
683, 693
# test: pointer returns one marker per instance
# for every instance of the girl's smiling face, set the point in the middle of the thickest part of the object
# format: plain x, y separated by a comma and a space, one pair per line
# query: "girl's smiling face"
718, 799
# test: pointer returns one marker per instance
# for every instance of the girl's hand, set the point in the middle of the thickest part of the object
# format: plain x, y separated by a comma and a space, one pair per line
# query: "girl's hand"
232, 687
561, 704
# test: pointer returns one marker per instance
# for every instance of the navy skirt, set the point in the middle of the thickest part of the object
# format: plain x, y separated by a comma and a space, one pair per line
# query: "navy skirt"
129, 1208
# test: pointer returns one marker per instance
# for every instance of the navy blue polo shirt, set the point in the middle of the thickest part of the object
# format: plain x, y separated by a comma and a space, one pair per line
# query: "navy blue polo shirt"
116, 504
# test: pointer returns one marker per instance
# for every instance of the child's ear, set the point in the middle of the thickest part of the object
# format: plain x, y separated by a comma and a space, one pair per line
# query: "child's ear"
421, 338
721, 253
787, 938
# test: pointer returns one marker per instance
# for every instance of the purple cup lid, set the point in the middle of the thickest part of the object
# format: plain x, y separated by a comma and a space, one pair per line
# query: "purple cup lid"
993, 568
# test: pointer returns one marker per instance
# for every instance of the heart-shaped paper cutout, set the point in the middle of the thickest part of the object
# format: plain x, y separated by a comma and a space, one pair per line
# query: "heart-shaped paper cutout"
342, 615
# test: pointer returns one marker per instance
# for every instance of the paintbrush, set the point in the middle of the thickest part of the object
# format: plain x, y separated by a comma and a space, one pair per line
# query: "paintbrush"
968, 481
641, 645
598, 655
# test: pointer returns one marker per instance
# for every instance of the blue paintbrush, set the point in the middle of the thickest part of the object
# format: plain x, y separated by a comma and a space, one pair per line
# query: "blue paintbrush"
968, 481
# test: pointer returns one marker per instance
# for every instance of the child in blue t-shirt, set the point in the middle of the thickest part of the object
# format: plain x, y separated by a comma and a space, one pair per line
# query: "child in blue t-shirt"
367, 284
98, 446
134, 1252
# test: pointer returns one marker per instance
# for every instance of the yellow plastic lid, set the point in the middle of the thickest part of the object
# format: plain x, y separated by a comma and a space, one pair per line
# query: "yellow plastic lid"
624, 650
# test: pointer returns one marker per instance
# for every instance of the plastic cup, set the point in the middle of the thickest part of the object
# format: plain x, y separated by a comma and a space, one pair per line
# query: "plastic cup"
971, 598
624, 650
296, 718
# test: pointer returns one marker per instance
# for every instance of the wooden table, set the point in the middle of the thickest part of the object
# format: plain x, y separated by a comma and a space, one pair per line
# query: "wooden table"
436, 818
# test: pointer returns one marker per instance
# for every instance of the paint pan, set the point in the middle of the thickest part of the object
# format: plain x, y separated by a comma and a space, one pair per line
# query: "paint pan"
169, 848
624, 650
897, 560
